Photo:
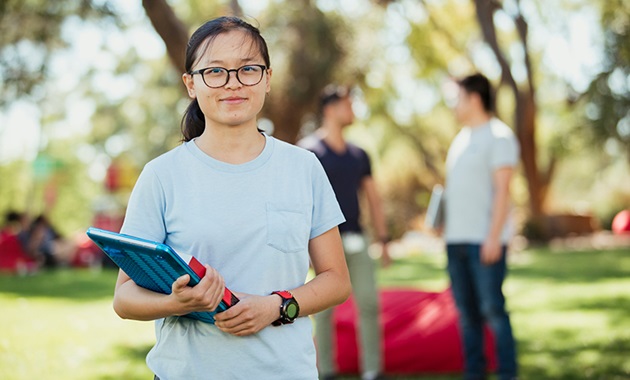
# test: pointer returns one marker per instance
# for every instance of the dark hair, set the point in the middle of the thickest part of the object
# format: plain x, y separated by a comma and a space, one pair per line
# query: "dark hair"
13, 217
41, 221
193, 122
480, 85
331, 94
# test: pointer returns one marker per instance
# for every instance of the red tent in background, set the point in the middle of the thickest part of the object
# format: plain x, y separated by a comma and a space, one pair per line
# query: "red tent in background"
421, 334
13, 259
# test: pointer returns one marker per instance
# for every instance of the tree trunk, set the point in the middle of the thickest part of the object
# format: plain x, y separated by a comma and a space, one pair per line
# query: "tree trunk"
287, 122
525, 125
526, 109
170, 28
236, 8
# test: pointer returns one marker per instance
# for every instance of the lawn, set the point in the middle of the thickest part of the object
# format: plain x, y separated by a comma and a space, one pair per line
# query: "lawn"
570, 311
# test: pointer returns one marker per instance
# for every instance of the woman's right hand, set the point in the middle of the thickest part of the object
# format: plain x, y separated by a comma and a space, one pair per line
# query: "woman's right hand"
205, 296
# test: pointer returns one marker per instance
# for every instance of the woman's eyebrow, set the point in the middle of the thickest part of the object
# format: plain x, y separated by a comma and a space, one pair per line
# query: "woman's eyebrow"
222, 62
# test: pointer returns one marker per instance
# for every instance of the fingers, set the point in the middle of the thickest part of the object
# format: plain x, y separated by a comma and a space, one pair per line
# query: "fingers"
247, 317
211, 276
228, 314
180, 283
490, 255
210, 289
216, 286
238, 322
205, 296
217, 297
486, 256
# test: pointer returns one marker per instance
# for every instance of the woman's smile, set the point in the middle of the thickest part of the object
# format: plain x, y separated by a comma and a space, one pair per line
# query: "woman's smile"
233, 100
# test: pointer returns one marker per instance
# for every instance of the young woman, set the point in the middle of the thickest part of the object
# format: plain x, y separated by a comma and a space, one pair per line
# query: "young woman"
254, 209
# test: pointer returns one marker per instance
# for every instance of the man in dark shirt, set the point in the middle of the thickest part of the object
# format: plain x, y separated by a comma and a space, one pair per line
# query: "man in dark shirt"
348, 169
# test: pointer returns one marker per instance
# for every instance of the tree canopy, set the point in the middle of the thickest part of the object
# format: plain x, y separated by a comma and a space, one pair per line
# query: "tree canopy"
126, 101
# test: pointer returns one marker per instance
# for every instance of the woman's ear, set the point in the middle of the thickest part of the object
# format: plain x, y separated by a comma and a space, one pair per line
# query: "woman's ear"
268, 79
189, 82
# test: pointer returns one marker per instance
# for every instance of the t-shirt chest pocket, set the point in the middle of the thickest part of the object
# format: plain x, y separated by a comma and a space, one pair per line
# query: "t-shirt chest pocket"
287, 227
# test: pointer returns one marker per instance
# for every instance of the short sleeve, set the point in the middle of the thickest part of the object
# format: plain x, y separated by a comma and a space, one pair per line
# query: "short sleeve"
145, 211
366, 166
326, 211
505, 152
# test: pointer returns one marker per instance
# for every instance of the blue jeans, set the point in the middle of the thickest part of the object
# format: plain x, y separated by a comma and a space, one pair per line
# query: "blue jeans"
477, 292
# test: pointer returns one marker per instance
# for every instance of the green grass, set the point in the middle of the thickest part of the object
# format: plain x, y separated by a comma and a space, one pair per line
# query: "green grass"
60, 325
570, 311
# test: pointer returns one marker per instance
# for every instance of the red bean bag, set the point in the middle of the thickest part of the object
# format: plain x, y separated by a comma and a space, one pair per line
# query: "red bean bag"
621, 223
421, 334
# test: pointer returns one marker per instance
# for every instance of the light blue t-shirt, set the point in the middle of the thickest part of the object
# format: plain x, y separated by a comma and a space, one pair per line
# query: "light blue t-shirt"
475, 154
252, 222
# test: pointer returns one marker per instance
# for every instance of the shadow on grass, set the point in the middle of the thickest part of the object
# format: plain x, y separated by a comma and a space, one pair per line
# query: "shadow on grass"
616, 307
137, 367
540, 264
138, 353
73, 284
575, 266
547, 360
406, 271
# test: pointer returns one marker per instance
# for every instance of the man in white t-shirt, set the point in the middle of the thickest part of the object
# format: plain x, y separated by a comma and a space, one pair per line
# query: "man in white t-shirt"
479, 167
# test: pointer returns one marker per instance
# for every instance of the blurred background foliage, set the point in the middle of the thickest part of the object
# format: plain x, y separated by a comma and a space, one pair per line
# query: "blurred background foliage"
91, 85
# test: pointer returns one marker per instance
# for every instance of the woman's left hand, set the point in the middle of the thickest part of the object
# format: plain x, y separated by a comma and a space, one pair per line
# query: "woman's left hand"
250, 315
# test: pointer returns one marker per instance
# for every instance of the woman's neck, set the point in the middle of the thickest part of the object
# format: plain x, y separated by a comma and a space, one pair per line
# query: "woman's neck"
232, 145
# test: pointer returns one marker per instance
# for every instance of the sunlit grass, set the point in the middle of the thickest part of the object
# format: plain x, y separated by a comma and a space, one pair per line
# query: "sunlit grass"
51, 329
570, 311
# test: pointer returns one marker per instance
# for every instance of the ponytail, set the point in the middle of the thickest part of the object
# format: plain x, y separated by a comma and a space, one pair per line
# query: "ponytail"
193, 122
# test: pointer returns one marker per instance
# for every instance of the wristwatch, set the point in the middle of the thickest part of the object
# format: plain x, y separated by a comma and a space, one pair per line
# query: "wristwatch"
289, 309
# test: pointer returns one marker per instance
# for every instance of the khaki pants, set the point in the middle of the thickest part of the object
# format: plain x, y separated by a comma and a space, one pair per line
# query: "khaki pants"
363, 278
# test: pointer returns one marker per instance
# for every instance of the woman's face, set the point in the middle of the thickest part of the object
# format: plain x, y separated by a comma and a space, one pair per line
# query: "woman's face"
234, 104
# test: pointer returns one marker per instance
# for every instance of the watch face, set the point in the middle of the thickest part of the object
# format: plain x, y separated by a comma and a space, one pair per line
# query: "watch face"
292, 310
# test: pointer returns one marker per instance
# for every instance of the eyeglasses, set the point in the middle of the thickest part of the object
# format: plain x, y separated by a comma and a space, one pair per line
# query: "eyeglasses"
215, 77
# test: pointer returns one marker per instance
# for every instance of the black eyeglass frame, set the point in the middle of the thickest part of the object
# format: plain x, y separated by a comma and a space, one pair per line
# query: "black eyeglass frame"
227, 77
